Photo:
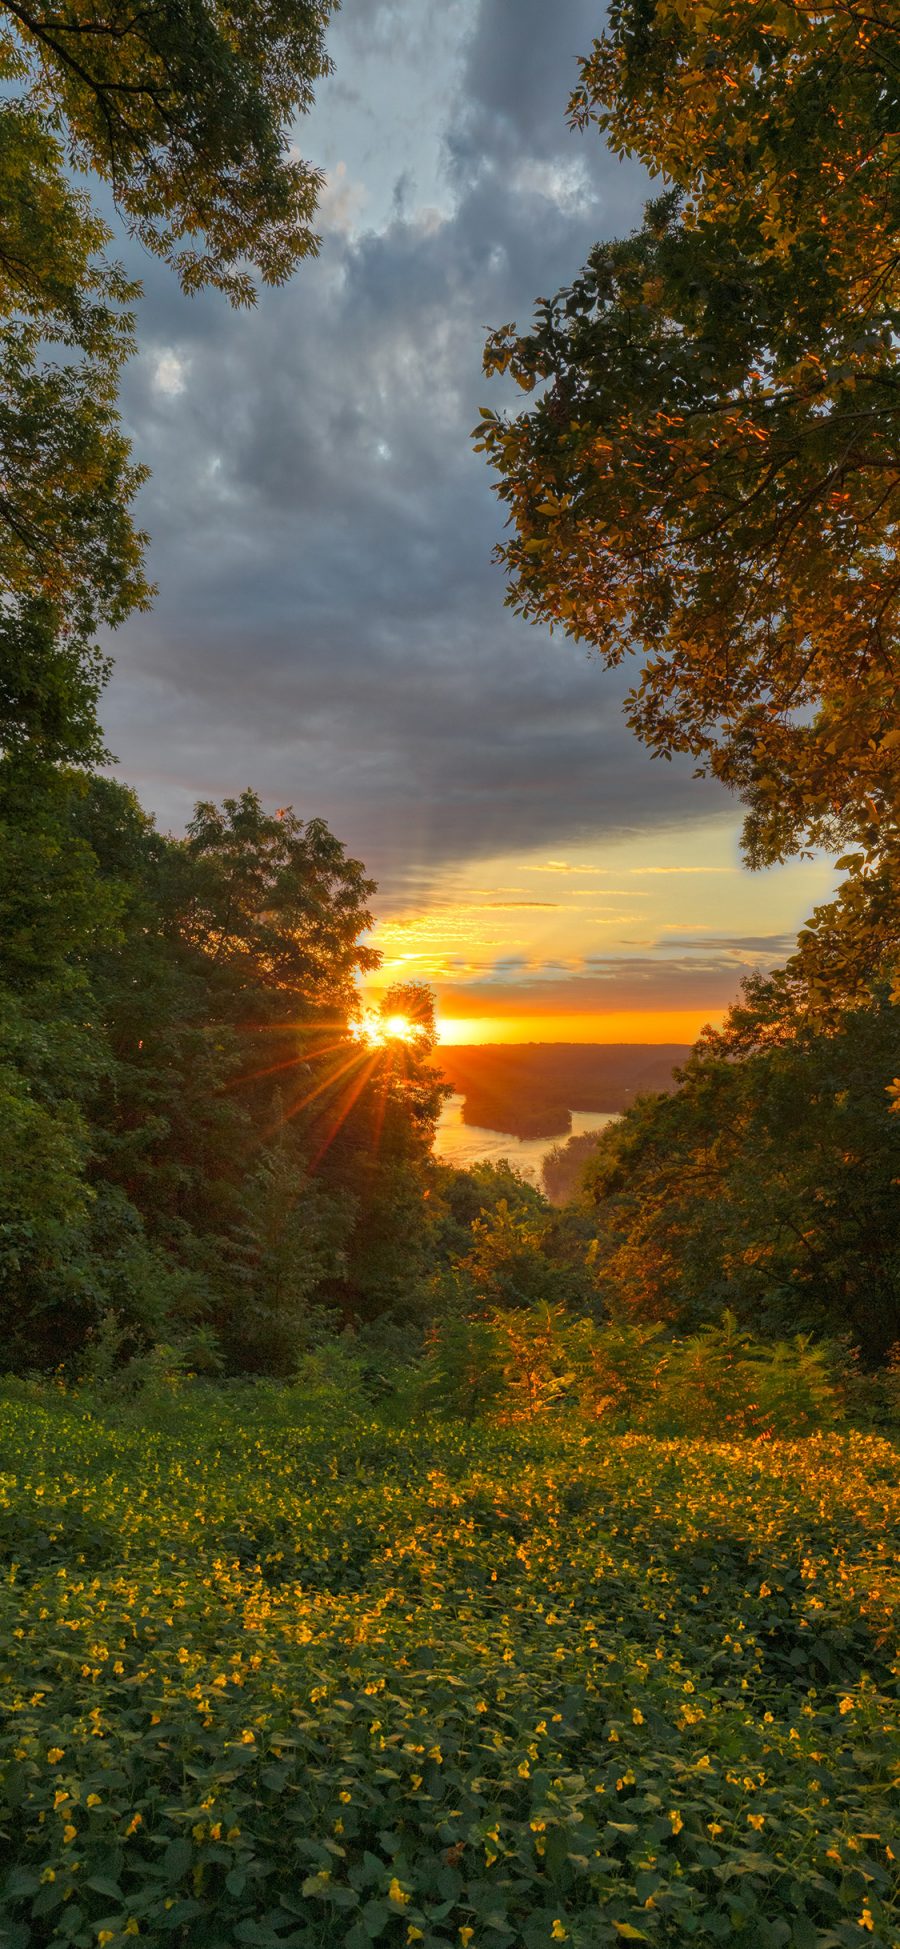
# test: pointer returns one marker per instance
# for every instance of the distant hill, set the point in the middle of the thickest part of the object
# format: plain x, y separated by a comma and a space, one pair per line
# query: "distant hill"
530, 1088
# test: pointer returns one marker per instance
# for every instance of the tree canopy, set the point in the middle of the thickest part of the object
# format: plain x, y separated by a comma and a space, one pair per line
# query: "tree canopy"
187, 113
708, 476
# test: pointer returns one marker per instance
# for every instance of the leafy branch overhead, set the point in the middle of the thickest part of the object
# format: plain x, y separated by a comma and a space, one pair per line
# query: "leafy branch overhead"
707, 476
187, 115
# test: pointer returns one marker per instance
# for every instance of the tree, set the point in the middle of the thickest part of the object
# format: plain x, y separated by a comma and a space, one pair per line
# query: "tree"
523, 1258
185, 113
765, 1183
169, 1012
709, 476
275, 901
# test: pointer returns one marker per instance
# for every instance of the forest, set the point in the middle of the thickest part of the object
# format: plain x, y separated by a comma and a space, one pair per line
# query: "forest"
391, 1553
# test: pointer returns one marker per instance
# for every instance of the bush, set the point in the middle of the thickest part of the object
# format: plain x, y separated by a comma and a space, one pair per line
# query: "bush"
522, 1362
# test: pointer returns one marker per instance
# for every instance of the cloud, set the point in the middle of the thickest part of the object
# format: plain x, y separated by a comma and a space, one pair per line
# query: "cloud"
341, 202
330, 627
168, 373
606, 986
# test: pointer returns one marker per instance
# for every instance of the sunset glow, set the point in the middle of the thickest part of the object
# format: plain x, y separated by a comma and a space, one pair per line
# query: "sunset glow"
627, 1025
376, 1030
645, 940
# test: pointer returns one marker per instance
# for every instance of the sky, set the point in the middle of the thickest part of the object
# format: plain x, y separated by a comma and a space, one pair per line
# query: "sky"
330, 626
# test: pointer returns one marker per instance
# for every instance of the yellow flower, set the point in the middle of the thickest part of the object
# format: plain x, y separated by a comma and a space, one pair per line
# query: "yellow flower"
69, 1833
104, 1936
465, 1936
396, 1893
865, 1920
93, 1800
756, 1820
524, 1770
133, 1824
55, 1754
846, 1705
637, 1717
132, 1926
558, 1933
676, 1820
413, 1934
714, 1827
345, 1797
234, 1834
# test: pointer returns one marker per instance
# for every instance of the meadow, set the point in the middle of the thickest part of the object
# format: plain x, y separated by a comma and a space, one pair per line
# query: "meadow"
283, 1673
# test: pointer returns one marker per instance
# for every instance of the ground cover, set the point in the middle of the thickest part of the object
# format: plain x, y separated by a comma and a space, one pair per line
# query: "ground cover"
277, 1676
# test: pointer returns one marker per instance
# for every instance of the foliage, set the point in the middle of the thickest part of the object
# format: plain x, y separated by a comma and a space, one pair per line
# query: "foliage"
766, 1182
632, 1374
275, 901
183, 112
464, 1366
186, 113
275, 1683
198, 1138
521, 1258
708, 475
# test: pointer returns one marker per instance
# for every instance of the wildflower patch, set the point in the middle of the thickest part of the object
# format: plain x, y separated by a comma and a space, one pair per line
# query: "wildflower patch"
266, 1681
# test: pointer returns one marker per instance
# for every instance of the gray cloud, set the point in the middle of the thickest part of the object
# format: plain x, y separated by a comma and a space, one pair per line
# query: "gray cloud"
329, 625
521, 67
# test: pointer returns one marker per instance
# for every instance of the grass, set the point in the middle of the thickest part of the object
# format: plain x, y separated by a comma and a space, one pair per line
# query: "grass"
273, 1678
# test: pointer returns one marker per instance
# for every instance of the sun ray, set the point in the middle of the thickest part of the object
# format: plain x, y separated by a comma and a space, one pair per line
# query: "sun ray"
349, 1097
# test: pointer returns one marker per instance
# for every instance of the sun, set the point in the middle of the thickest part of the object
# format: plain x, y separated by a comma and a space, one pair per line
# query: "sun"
376, 1029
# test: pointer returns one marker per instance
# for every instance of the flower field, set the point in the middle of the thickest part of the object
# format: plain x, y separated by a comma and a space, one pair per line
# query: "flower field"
271, 1679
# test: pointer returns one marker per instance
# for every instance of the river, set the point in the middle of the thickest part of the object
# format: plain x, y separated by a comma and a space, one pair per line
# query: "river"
468, 1143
